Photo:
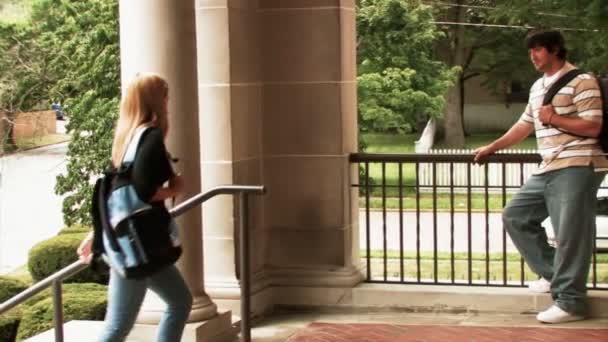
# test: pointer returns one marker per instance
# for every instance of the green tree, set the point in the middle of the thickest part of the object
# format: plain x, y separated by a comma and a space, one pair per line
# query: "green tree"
584, 24
85, 34
485, 38
68, 51
398, 77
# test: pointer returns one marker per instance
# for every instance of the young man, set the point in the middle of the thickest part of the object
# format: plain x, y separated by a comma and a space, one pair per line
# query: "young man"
565, 185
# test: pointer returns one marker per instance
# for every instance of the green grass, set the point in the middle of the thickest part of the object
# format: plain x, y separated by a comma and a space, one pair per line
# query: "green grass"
29, 143
478, 202
461, 267
404, 143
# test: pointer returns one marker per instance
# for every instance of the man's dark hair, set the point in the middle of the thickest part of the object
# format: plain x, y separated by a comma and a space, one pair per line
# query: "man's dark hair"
551, 40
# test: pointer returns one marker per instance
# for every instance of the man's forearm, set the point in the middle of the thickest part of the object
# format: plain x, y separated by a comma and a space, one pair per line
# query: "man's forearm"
577, 126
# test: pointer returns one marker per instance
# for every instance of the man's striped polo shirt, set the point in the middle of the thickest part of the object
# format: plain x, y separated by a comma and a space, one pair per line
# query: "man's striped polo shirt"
581, 98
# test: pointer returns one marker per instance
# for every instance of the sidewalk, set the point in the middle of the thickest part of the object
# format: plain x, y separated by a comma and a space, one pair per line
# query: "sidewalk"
30, 211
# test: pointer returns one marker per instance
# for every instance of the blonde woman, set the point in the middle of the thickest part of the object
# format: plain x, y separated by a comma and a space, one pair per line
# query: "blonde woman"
145, 104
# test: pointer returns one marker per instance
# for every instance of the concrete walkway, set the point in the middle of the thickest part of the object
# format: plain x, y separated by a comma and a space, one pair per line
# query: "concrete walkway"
443, 222
30, 211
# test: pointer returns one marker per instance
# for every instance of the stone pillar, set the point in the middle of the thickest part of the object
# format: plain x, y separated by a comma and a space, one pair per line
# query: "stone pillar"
159, 36
310, 128
230, 126
277, 85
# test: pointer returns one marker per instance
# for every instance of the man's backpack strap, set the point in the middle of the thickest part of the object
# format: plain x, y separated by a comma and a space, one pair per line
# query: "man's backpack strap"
560, 83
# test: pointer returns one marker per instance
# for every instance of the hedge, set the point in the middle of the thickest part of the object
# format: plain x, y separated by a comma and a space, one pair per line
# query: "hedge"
10, 287
9, 322
80, 302
49, 256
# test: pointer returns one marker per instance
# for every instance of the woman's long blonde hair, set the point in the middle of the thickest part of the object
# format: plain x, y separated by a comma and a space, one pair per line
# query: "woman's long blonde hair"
142, 104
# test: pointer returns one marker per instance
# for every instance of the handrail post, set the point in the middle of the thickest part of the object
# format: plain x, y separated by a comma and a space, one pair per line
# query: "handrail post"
244, 267
57, 310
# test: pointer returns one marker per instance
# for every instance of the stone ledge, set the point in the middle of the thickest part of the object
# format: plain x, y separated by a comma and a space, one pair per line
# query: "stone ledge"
426, 298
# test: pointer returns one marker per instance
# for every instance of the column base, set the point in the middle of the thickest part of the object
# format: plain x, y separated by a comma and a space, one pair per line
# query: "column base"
153, 307
287, 286
216, 329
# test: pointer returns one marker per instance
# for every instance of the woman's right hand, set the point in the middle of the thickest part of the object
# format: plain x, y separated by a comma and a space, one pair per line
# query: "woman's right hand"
175, 187
84, 250
176, 183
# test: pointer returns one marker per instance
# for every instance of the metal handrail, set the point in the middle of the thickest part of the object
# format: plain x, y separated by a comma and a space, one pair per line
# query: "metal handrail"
57, 278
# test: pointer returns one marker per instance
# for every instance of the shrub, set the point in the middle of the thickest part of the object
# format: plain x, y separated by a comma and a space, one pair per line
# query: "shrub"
80, 302
10, 287
50, 256
9, 322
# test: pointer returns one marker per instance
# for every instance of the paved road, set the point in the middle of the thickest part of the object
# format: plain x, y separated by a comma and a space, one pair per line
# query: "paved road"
444, 223
29, 209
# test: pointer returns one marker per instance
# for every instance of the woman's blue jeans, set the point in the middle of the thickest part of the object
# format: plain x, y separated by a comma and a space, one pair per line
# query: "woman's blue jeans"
125, 297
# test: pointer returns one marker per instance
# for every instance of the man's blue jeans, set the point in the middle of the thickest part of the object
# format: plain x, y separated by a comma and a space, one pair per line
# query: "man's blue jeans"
568, 197
125, 297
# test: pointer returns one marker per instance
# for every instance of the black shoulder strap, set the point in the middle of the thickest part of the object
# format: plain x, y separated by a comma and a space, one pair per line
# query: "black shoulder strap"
560, 83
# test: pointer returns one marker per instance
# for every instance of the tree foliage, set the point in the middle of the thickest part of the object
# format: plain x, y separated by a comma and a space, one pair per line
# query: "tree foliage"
68, 52
584, 24
398, 77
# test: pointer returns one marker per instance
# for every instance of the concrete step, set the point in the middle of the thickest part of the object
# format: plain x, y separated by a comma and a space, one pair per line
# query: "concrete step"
217, 329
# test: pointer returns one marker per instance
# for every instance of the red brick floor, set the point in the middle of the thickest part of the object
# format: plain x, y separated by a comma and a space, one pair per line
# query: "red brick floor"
328, 332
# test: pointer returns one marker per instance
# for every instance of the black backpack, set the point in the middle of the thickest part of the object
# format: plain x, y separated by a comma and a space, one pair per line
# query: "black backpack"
142, 239
603, 83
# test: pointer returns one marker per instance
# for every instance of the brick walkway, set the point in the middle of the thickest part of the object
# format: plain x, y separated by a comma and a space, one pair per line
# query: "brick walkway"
327, 332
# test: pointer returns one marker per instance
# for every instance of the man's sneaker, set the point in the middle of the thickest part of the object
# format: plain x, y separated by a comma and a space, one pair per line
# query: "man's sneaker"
556, 315
540, 286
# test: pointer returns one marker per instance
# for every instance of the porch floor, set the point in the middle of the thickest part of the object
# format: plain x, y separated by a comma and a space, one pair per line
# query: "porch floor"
395, 325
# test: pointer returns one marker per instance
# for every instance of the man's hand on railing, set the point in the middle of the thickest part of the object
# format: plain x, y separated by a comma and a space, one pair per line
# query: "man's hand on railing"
84, 250
482, 152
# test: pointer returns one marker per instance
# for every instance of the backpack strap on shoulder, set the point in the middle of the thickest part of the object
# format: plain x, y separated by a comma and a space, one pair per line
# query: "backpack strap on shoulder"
132, 148
560, 83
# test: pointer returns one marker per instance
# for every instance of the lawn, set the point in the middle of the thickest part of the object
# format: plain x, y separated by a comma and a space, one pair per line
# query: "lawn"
50, 139
461, 267
386, 143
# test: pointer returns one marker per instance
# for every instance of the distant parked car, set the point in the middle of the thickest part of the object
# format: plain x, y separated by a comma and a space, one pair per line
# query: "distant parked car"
59, 113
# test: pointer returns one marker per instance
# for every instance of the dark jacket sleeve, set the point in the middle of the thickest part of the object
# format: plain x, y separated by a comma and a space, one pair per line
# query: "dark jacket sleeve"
151, 168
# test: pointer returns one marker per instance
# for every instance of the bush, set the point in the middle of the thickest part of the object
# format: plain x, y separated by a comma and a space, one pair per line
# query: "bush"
10, 287
80, 302
49, 256
9, 322
74, 229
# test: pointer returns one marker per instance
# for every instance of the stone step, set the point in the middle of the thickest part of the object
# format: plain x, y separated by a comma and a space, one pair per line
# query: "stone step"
217, 329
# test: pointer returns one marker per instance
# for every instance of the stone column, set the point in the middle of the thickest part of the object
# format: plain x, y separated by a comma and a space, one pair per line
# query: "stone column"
159, 36
278, 107
230, 126
310, 128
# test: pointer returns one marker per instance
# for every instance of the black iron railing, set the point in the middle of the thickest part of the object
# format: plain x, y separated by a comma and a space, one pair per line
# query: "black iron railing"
436, 219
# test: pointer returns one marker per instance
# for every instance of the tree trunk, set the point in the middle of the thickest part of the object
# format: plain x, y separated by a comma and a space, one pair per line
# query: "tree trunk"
453, 114
454, 134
